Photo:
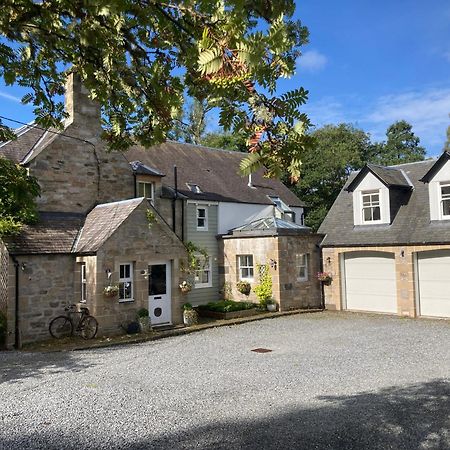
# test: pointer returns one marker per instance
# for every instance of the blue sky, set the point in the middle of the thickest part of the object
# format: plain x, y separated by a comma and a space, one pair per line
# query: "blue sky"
368, 63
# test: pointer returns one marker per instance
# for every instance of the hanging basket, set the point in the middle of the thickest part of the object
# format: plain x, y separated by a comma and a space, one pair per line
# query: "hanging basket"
111, 291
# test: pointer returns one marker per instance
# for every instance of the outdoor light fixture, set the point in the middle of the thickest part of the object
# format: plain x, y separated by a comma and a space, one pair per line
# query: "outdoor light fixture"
273, 264
328, 260
23, 266
108, 273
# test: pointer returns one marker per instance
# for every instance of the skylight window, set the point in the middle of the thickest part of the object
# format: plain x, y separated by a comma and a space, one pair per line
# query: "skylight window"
195, 188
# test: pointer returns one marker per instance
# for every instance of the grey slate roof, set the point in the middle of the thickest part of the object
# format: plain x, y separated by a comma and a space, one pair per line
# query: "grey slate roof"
445, 156
27, 137
102, 222
54, 233
411, 224
271, 226
215, 171
390, 176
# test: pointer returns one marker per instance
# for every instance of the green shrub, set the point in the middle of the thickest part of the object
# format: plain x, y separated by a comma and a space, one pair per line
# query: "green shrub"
187, 307
227, 306
264, 289
143, 312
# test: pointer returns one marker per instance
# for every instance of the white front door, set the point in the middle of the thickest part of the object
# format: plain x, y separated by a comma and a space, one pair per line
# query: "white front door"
159, 293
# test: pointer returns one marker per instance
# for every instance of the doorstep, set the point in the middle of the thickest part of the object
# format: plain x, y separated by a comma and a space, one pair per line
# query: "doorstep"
75, 344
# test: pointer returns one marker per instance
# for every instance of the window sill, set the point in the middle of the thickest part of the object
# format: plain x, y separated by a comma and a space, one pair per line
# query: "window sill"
201, 286
128, 300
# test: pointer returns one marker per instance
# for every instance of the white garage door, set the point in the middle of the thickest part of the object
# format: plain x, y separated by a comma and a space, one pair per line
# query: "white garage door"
434, 283
370, 283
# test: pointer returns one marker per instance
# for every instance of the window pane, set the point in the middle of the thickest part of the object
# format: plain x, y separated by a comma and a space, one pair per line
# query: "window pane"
367, 214
122, 271
445, 190
376, 213
201, 212
375, 198
446, 207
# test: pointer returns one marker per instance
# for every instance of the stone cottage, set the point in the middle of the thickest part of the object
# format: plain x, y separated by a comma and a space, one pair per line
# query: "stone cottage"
123, 219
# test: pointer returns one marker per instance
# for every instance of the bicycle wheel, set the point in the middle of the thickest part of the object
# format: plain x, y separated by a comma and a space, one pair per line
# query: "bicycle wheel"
88, 327
60, 327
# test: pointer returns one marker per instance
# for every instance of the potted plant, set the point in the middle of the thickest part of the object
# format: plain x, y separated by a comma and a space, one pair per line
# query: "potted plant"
243, 287
185, 287
324, 277
111, 290
271, 305
190, 315
144, 320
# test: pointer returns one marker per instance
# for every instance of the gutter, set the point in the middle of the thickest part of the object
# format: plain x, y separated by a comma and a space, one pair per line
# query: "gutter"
17, 343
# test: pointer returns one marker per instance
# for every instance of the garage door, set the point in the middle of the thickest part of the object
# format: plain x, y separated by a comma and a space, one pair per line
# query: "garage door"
434, 283
370, 283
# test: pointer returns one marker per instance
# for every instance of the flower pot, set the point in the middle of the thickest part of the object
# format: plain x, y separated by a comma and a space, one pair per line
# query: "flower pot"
272, 307
144, 324
190, 317
185, 290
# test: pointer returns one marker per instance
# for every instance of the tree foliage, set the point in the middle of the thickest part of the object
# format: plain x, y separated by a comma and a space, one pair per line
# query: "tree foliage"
401, 146
18, 191
137, 58
227, 141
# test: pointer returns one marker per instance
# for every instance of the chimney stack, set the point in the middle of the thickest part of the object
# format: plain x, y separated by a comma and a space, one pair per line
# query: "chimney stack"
82, 110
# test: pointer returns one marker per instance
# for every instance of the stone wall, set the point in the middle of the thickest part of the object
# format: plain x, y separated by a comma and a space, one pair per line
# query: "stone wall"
288, 292
46, 285
74, 170
299, 294
404, 266
4, 283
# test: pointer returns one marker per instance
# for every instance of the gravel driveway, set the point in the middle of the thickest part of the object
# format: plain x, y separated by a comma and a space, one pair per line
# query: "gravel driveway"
332, 381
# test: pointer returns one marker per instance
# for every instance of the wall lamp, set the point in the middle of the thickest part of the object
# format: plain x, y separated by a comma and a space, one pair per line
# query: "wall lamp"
273, 264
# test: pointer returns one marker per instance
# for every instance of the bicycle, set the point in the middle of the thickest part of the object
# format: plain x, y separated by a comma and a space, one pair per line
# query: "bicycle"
64, 326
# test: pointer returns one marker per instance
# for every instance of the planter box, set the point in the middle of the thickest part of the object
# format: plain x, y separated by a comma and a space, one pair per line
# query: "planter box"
227, 315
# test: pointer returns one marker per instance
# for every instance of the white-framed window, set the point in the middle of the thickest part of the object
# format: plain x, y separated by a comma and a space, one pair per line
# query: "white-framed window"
126, 282
245, 267
202, 276
146, 189
302, 266
445, 200
202, 218
371, 208
83, 282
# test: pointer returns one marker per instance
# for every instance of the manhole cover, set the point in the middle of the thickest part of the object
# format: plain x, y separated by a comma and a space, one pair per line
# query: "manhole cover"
261, 350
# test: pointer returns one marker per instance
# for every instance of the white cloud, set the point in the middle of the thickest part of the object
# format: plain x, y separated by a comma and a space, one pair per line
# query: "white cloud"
326, 110
427, 111
312, 61
10, 97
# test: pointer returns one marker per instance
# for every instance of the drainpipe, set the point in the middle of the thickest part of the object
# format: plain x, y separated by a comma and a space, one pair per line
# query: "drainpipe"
174, 201
182, 220
17, 343
322, 289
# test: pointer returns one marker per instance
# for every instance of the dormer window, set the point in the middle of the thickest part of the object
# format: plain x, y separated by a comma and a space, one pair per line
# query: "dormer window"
371, 211
445, 200
195, 188
146, 190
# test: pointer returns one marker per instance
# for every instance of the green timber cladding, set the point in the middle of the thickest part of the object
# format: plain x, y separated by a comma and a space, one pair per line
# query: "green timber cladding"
207, 240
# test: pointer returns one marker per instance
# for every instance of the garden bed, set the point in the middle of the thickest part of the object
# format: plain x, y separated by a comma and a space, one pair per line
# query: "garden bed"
228, 310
